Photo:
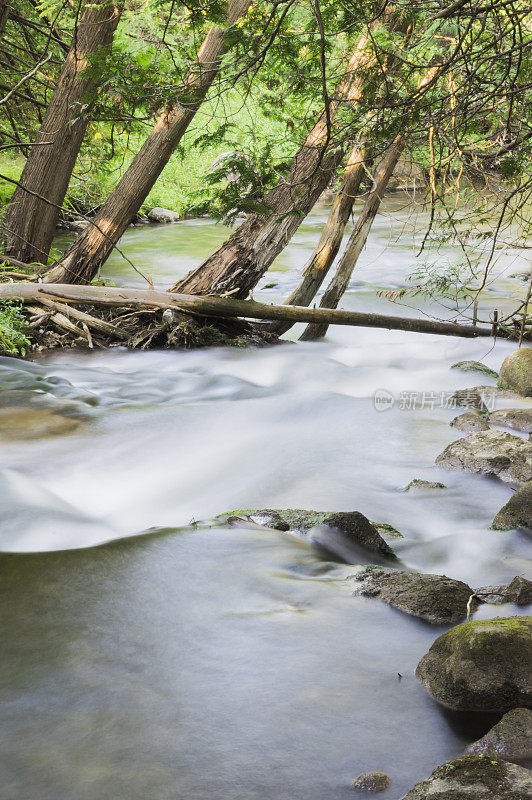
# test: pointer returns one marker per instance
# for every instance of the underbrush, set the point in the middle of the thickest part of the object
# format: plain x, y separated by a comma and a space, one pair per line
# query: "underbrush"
14, 329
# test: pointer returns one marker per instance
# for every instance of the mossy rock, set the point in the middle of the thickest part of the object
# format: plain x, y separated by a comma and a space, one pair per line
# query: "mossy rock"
481, 666
353, 527
517, 512
475, 777
516, 372
385, 529
475, 366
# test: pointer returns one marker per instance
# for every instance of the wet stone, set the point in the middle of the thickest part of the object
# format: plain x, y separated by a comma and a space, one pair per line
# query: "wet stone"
517, 512
491, 453
419, 484
371, 782
519, 592
433, 598
475, 777
470, 422
511, 738
519, 419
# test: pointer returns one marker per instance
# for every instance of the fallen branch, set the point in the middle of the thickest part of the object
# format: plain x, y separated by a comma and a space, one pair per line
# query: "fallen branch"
220, 307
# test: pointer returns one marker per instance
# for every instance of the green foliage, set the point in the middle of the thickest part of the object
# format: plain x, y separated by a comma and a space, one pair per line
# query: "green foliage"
14, 330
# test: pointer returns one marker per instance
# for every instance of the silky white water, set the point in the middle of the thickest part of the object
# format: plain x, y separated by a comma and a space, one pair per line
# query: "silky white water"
192, 663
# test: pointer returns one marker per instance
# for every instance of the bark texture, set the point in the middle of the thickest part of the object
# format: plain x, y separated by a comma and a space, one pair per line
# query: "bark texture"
30, 220
331, 237
84, 258
358, 238
246, 256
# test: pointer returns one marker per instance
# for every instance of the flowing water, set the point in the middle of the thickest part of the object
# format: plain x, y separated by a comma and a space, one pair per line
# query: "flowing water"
145, 656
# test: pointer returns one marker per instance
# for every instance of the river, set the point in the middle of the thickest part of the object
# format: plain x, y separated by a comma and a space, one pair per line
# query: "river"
145, 656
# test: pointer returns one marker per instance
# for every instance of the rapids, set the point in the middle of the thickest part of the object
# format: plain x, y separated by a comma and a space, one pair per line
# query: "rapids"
147, 656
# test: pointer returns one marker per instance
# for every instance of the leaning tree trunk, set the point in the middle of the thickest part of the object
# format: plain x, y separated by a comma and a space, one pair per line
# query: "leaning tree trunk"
330, 240
358, 238
33, 212
84, 258
237, 266
4, 14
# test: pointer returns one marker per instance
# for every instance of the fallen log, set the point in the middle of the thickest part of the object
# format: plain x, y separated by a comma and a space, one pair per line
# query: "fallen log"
212, 306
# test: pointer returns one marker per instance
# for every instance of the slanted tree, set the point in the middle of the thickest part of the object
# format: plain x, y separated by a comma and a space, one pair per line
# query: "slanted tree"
358, 238
331, 237
34, 209
84, 258
237, 266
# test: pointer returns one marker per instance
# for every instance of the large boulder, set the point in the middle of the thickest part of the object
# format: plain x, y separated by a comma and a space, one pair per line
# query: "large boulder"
517, 512
481, 666
520, 419
163, 215
491, 453
511, 738
475, 777
516, 371
471, 422
433, 598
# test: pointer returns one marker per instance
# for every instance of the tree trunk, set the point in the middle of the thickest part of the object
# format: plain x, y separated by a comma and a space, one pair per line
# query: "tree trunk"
358, 238
84, 258
30, 221
330, 239
4, 14
246, 256
221, 307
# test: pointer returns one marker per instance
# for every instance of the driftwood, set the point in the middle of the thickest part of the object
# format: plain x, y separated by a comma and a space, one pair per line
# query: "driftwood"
211, 306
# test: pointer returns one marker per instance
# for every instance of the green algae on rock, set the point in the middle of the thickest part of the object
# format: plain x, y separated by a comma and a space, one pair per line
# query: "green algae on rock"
482, 665
516, 372
475, 366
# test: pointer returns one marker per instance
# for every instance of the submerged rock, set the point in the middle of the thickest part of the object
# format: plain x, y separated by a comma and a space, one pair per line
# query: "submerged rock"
511, 738
517, 512
516, 372
371, 782
35, 423
474, 777
433, 598
519, 591
163, 215
491, 453
481, 666
520, 419
475, 366
471, 422
418, 483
